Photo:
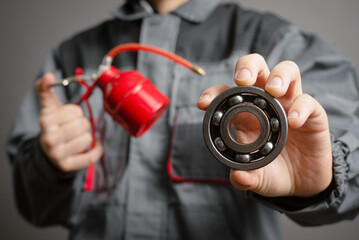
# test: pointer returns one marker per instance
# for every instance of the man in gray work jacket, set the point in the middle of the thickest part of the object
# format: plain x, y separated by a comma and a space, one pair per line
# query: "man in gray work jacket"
313, 181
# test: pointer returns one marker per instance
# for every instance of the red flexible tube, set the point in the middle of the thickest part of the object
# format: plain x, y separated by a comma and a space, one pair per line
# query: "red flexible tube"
140, 47
90, 172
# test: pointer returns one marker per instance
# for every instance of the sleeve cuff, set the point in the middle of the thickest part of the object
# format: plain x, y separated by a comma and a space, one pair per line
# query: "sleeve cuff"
45, 167
329, 196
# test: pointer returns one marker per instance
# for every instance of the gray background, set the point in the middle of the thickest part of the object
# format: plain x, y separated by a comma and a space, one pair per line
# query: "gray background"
28, 29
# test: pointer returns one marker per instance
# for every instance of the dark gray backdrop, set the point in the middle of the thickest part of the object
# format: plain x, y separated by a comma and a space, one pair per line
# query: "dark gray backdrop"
28, 29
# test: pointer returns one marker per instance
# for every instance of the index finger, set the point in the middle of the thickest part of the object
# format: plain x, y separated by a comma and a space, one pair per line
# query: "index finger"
251, 70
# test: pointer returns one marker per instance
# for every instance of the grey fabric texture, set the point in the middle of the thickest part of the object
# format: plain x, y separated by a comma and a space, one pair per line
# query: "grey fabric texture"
134, 196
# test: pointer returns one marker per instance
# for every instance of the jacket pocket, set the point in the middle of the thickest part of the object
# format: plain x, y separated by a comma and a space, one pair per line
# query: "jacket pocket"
190, 160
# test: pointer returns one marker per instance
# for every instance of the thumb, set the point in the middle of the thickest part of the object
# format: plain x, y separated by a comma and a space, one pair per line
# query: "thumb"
48, 98
267, 181
244, 180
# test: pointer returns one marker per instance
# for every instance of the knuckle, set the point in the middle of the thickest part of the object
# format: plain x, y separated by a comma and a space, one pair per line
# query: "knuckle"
76, 127
92, 159
291, 65
74, 110
43, 122
44, 111
243, 60
84, 123
97, 155
77, 110
308, 100
87, 138
55, 155
65, 167
48, 140
257, 57
307, 97
250, 59
67, 131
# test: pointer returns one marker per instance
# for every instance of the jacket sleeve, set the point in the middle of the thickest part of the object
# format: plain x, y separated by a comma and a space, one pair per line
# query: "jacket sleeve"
330, 79
43, 193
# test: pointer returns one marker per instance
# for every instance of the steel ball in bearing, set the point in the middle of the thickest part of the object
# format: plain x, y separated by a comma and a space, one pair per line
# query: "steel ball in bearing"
272, 136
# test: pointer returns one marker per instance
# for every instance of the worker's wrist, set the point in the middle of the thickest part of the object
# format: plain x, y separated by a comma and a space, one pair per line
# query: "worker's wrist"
331, 194
45, 165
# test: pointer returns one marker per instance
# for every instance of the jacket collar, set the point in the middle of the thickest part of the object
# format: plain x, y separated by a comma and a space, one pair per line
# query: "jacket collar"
196, 11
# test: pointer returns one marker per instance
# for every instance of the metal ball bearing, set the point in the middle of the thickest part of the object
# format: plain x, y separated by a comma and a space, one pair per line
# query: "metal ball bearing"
272, 136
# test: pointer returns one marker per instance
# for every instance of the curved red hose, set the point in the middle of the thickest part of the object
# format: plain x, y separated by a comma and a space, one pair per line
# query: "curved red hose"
140, 47
90, 172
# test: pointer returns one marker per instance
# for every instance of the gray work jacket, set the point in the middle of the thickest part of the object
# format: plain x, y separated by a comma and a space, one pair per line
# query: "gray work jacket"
136, 196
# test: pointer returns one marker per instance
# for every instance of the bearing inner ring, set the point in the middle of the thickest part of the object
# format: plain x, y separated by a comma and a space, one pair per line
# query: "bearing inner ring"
272, 119
235, 145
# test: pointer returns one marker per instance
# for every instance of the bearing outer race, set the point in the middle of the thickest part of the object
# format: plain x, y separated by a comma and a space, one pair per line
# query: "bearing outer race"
272, 102
235, 145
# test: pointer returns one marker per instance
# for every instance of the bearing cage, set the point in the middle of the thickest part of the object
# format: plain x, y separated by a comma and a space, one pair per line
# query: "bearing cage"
272, 118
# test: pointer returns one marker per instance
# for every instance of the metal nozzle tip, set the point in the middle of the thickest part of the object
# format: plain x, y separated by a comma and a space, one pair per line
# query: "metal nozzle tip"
56, 84
65, 82
198, 70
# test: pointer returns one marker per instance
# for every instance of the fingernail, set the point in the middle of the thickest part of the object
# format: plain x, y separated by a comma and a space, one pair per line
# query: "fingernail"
275, 82
204, 98
293, 115
243, 74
